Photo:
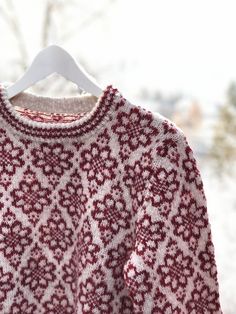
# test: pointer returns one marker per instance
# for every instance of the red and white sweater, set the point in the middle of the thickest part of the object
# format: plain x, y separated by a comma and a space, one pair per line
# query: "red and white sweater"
101, 211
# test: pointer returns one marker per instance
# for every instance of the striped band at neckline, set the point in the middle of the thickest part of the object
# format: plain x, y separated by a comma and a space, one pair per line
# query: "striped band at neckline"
85, 125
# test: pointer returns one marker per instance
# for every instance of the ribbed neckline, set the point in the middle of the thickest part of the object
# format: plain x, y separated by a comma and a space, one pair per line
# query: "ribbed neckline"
85, 126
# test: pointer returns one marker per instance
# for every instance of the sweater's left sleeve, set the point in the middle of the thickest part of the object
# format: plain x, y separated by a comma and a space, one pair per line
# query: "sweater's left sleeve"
172, 266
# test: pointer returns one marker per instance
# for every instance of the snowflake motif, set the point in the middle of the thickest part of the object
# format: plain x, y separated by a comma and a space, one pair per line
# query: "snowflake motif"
203, 299
134, 128
14, 238
56, 235
53, 159
98, 163
58, 302
73, 198
112, 216
30, 196
188, 222
175, 270
136, 179
10, 160
94, 294
38, 273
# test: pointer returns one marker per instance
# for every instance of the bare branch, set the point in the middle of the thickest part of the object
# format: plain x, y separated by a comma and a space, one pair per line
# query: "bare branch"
15, 25
95, 15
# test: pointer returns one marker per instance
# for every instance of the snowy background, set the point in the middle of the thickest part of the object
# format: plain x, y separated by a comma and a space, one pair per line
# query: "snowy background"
174, 57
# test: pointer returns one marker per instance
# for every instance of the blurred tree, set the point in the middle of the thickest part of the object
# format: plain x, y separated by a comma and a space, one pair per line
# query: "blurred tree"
223, 150
188, 115
195, 114
164, 103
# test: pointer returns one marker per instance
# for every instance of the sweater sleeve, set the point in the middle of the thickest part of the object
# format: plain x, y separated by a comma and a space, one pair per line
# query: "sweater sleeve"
172, 268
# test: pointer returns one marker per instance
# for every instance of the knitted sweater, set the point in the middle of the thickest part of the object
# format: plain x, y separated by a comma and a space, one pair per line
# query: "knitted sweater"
102, 210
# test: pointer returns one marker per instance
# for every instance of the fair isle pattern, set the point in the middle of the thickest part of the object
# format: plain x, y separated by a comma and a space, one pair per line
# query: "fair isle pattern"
113, 222
48, 117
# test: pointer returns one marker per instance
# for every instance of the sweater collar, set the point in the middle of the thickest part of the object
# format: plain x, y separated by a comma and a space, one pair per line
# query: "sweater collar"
86, 125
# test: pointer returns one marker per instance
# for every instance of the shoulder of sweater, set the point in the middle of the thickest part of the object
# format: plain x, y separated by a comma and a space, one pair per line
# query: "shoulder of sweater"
162, 129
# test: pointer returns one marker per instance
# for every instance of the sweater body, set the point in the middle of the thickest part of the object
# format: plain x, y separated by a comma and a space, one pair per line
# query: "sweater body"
104, 216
